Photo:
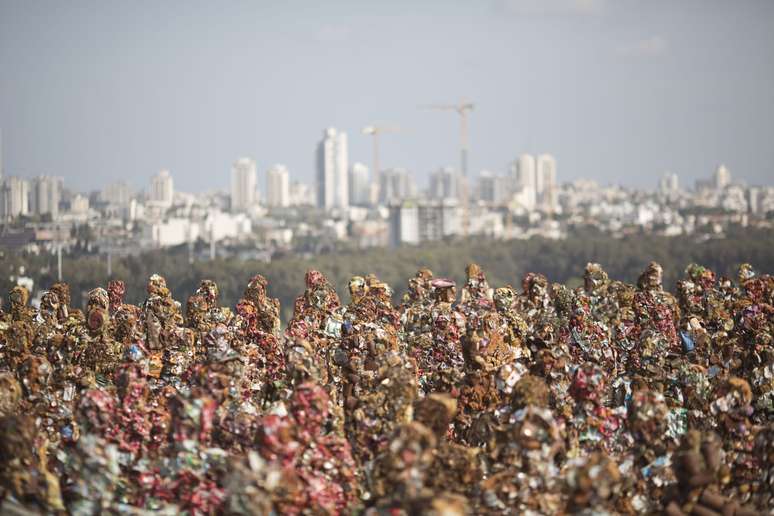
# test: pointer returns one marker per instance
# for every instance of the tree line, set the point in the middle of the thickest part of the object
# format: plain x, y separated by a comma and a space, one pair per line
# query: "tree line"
505, 262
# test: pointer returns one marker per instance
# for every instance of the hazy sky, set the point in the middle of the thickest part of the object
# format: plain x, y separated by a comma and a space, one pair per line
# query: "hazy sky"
618, 90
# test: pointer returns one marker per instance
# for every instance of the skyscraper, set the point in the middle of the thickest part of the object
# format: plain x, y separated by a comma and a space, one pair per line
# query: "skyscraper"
525, 171
546, 173
669, 184
396, 185
404, 224
438, 219
162, 189
118, 194
45, 196
525, 179
545, 182
332, 170
278, 186
753, 199
14, 197
359, 185
243, 184
492, 188
446, 183
301, 194
722, 177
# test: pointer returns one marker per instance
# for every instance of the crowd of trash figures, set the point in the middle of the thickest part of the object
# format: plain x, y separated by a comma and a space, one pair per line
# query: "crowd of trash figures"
610, 398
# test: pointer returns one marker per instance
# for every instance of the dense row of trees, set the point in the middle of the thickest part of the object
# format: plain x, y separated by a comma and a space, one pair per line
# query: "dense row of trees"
504, 263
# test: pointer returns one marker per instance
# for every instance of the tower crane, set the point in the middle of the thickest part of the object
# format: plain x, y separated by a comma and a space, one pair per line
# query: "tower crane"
375, 130
462, 109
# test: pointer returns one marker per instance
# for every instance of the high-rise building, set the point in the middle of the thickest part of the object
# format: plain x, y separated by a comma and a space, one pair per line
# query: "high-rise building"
79, 205
669, 184
404, 224
524, 172
545, 182
359, 185
487, 186
439, 219
545, 174
45, 196
446, 183
278, 186
162, 189
333, 170
534, 182
301, 194
753, 199
493, 188
722, 177
413, 222
244, 179
14, 197
396, 185
118, 194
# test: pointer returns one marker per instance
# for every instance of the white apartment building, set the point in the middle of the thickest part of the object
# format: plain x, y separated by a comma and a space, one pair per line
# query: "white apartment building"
359, 185
301, 194
45, 196
118, 194
525, 179
396, 185
244, 179
447, 183
404, 224
278, 186
14, 197
162, 189
333, 170
545, 182
722, 177
669, 184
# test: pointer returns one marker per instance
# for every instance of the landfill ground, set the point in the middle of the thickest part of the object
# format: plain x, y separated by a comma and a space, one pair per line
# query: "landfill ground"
610, 398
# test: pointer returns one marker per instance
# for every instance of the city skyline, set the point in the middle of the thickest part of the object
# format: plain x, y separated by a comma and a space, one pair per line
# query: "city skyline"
144, 183
617, 92
348, 207
529, 181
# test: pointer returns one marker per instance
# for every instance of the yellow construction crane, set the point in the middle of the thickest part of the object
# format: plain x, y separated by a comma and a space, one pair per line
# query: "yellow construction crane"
462, 109
375, 131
